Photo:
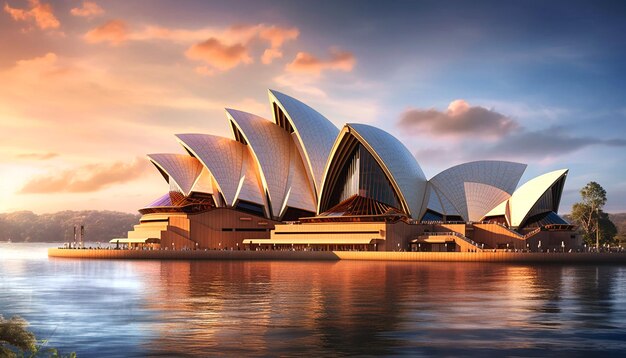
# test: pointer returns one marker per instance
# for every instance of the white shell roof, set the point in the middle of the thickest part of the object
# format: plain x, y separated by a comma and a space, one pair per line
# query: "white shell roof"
316, 133
291, 169
300, 193
433, 201
500, 209
481, 198
204, 182
271, 145
250, 188
439, 203
225, 159
527, 195
398, 163
182, 169
498, 178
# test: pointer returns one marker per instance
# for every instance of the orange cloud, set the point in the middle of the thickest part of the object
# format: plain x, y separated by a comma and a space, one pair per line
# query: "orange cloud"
270, 54
308, 63
152, 32
218, 55
65, 88
114, 32
41, 13
88, 178
221, 56
205, 71
276, 36
219, 47
89, 9
43, 64
37, 156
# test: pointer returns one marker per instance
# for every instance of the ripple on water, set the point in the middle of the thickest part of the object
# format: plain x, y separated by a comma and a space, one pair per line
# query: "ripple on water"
181, 308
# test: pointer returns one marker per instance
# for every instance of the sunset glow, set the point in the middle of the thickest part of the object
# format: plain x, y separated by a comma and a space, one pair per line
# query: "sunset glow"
90, 87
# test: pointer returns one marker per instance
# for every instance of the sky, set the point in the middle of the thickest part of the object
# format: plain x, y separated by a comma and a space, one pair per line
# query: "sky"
88, 88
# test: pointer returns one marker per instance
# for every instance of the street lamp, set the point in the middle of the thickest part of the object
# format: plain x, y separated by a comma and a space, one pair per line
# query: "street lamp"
539, 246
563, 245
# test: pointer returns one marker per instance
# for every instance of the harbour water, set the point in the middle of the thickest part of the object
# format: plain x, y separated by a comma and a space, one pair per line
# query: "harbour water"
232, 308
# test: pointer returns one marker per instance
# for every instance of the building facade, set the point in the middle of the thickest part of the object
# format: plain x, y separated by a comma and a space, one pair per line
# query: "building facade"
299, 182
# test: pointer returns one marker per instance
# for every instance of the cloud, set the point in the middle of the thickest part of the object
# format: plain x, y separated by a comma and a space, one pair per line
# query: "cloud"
272, 34
43, 65
307, 63
205, 71
113, 31
221, 49
302, 83
186, 36
88, 9
67, 89
614, 142
219, 55
40, 13
276, 36
87, 178
227, 49
37, 156
507, 138
270, 54
548, 142
459, 119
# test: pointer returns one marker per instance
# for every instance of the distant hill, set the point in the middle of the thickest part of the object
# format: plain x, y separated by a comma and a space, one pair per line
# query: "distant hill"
26, 226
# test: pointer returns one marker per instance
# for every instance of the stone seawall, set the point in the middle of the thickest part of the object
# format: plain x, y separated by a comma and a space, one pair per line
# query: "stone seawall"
565, 258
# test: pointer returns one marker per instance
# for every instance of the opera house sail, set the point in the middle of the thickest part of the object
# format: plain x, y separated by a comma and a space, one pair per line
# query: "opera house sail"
299, 182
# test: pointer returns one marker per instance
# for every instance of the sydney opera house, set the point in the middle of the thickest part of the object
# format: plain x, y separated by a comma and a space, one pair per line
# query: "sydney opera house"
299, 182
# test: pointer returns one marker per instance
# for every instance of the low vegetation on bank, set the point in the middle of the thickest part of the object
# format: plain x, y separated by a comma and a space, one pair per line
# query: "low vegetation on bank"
17, 341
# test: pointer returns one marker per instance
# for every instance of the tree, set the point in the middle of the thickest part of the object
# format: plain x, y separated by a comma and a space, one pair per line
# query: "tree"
608, 230
588, 215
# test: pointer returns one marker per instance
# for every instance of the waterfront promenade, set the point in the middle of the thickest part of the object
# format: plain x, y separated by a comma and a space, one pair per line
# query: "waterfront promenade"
500, 256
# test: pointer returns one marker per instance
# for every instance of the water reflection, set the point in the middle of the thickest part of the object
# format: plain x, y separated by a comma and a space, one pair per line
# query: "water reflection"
232, 308
384, 308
